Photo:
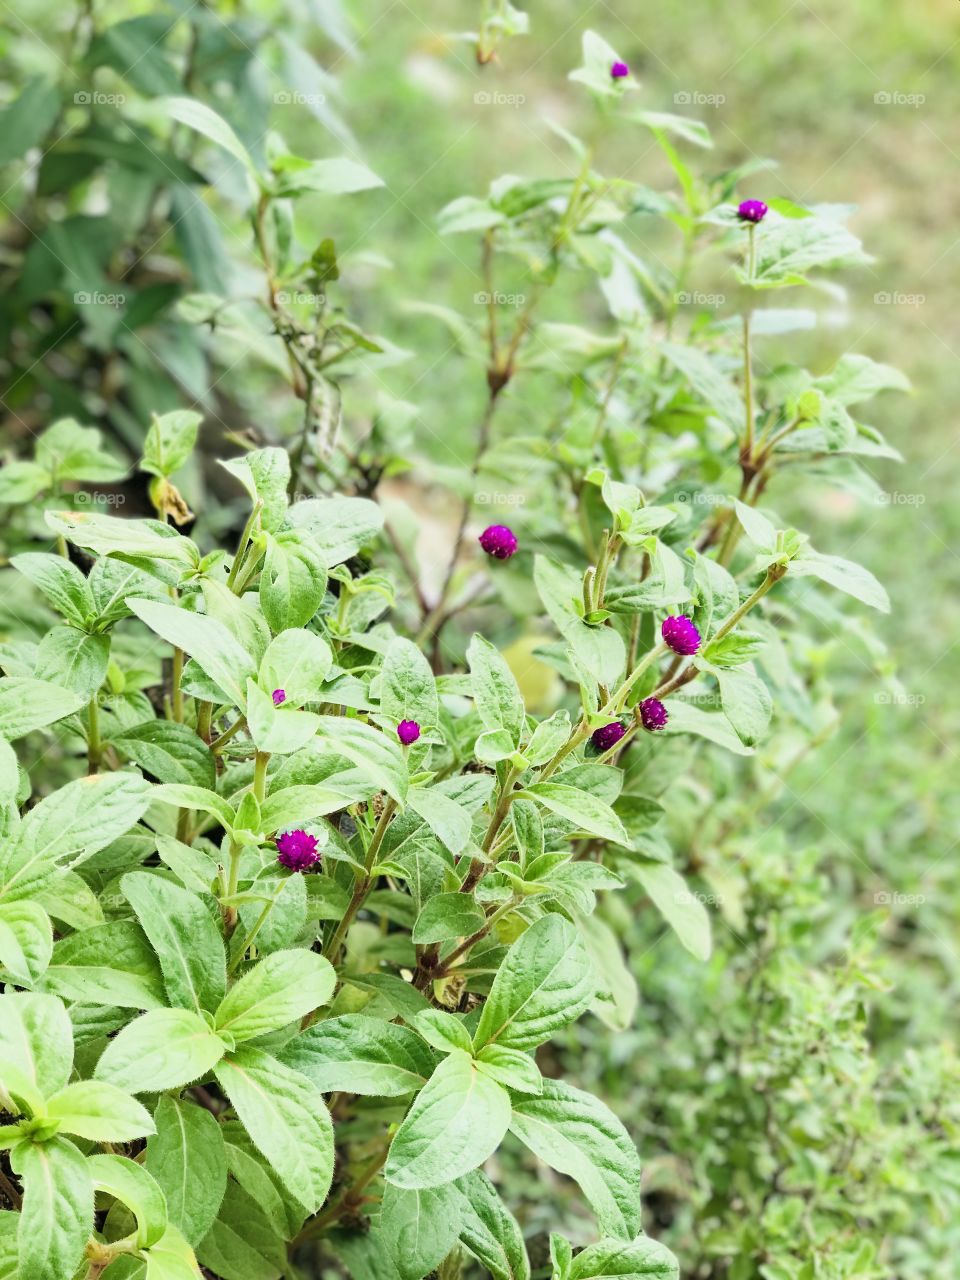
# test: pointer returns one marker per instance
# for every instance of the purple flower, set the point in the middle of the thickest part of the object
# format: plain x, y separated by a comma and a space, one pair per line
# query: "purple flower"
751, 211
653, 714
408, 731
279, 695
680, 635
498, 541
608, 735
619, 70
297, 850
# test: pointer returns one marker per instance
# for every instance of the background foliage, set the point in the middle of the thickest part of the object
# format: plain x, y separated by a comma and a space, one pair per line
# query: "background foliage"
794, 1099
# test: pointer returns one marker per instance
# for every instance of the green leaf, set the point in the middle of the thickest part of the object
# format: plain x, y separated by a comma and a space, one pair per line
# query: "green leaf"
495, 690
146, 543
186, 1157
694, 131
170, 751
36, 1040
170, 440
598, 58
286, 1117
617, 994
99, 1112
171, 1258
360, 1054
845, 575
579, 1136
640, 1259
687, 718
587, 812
408, 690
265, 474
109, 963
339, 176
511, 1068
678, 905
199, 117
712, 386
185, 937
377, 756
57, 1215
27, 704
298, 662
446, 916
25, 121
26, 940
746, 702
213, 647
76, 661
243, 1243
600, 649
489, 1230
163, 1049
293, 580
448, 821
186, 796
419, 1227
280, 988
544, 982
455, 1123
60, 582
277, 730
788, 248
133, 1185
443, 1031
338, 527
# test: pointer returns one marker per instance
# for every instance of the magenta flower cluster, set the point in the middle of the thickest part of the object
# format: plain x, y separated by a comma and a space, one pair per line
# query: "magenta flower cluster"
680, 635
618, 70
408, 731
279, 696
297, 850
498, 541
608, 735
653, 714
751, 211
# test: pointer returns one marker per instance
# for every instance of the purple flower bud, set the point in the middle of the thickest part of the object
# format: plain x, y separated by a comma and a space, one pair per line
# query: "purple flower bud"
408, 731
751, 211
607, 736
297, 850
680, 635
279, 695
498, 541
619, 70
653, 714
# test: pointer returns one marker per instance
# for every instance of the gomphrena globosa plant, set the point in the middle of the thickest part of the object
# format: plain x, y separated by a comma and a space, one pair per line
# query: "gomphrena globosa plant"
280, 951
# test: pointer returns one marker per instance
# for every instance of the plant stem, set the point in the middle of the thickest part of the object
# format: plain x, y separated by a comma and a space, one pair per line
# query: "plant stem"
774, 573
217, 745
261, 761
238, 958
177, 690
747, 450
362, 886
94, 746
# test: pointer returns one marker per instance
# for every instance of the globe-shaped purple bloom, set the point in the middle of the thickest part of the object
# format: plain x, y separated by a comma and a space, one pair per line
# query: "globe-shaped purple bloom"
680, 635
408, 731
279, 695
498, 541
619, 70
608, 735
297, 850
751, 211
653, 714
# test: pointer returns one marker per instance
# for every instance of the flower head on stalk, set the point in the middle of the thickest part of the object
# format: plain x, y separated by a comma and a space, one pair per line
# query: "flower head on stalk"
608, 735
680, 635
408, 731
653, 714
498, 541
297, 850
279, 696
619, 70
751, 211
